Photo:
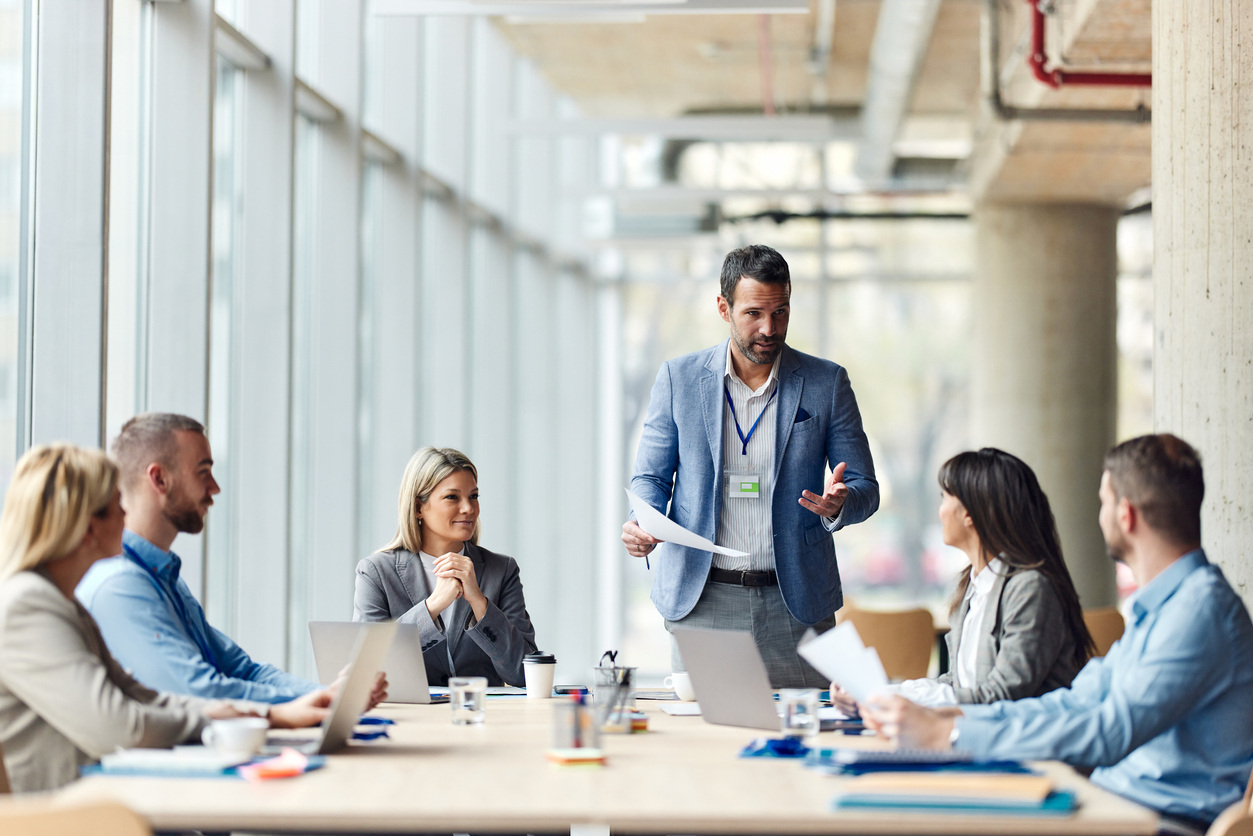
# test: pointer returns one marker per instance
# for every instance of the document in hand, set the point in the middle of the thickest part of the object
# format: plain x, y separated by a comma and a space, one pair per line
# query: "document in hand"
840, 656
663, 528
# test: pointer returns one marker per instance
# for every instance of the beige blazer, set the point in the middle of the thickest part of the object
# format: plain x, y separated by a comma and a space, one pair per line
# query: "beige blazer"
64, 701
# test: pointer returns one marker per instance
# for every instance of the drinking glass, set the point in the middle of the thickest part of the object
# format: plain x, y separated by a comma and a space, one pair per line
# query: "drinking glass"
468, 696
800, 712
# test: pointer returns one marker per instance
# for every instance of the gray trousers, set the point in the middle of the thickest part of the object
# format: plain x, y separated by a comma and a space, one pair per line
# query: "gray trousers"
758, 610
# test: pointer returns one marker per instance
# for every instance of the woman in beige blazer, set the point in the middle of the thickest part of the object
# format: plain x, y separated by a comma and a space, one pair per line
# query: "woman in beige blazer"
64, 701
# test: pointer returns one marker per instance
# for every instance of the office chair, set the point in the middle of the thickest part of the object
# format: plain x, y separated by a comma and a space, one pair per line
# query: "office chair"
1106, 626
40, 818
903, 638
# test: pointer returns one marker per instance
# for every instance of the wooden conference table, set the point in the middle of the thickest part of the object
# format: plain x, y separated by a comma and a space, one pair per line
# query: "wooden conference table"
683, 776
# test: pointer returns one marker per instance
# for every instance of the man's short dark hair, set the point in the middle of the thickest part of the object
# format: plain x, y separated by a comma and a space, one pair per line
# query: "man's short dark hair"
1161, 476
756, 261
149, 438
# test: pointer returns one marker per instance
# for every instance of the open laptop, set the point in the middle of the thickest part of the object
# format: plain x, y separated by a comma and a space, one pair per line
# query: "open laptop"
333, 642
728, 677
369, 650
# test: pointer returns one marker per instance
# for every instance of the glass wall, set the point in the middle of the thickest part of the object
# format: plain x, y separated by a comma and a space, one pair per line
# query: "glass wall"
12, 145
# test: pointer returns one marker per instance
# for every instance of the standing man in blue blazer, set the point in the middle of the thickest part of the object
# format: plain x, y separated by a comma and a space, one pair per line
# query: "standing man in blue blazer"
735, 448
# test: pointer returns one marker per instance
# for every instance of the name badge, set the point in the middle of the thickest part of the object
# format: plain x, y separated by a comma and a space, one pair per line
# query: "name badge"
744, 485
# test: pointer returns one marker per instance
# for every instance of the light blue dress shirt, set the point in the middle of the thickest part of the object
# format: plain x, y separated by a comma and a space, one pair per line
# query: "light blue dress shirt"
156, 628
1166, 716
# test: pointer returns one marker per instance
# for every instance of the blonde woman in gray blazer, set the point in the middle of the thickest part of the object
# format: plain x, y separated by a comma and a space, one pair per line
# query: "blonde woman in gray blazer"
1017, 628
466, 601
64, 701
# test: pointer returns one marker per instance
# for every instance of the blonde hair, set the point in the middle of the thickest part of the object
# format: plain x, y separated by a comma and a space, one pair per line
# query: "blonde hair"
56, 489
426, 469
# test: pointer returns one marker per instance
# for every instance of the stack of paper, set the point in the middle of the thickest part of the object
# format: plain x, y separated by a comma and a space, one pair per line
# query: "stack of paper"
964, 792
840, 655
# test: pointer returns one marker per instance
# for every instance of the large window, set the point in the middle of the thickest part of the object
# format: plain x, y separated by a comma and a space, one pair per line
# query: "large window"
221, 538
12, 25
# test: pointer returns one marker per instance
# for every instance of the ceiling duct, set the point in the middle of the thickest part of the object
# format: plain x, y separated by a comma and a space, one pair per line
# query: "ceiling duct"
900, 44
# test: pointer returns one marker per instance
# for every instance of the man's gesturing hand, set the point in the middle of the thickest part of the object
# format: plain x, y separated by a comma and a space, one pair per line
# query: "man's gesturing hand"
833, 496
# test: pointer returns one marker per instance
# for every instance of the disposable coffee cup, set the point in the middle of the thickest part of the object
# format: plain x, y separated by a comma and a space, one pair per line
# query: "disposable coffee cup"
236, 737
539, 669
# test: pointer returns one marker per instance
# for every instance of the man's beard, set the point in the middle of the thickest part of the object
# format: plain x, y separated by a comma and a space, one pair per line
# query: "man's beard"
750, 351
185, 516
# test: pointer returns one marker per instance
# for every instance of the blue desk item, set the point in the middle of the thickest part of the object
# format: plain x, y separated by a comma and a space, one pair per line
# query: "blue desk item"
1058, 803
772, 747
376, 721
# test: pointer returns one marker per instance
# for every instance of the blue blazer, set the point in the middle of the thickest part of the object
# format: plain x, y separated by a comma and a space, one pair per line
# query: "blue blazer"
679, 467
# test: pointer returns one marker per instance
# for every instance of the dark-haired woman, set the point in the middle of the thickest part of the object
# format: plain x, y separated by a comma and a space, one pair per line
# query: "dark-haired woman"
1016, 627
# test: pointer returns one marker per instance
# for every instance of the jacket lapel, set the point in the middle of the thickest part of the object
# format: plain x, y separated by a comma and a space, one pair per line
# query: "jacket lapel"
712, 402
987, 640
791, 385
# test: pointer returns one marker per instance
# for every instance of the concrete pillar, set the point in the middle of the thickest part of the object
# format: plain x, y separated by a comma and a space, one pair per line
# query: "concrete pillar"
1203, 259
1044, 361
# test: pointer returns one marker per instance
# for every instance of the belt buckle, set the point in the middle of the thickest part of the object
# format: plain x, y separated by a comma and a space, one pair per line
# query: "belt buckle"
743, 577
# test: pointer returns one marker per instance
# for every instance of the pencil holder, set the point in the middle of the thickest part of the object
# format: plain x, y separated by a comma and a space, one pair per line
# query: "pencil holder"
574, 726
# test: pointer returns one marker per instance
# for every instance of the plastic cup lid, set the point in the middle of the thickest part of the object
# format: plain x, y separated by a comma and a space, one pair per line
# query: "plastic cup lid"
540, 657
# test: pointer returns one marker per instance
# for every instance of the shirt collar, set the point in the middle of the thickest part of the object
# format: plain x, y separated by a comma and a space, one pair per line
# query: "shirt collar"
1157, 591
983, 581
770, 381
161, 562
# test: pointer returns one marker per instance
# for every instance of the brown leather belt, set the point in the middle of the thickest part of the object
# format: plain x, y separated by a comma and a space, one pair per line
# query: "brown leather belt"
744, 578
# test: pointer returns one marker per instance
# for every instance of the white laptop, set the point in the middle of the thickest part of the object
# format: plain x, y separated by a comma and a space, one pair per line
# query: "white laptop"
729, 678
366, 660
406, 672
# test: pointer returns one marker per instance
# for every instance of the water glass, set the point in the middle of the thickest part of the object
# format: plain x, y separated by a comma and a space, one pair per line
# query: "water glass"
468, 696
800, 712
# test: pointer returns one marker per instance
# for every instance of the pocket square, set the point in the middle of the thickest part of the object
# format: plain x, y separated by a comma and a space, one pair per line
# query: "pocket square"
801, 415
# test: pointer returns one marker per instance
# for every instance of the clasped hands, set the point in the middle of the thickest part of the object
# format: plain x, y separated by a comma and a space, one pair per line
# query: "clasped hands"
455, 579
639, 543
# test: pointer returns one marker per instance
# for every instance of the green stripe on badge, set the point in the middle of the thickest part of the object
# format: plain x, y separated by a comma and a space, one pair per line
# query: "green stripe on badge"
748, 486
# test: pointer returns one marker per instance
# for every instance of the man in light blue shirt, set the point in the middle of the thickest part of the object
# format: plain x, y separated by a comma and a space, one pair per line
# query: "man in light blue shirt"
150, 620
1166, 717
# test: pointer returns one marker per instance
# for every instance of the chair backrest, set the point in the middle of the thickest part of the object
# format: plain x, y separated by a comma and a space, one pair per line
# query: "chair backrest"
19, 817
1106, 626
904, 638
1236, 820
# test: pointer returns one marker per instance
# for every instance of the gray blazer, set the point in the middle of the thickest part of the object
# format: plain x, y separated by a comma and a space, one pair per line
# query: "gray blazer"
392, 585
1024, 648
64, 701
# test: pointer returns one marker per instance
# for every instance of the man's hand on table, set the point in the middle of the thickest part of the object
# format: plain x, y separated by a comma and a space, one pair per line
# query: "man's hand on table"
910, 724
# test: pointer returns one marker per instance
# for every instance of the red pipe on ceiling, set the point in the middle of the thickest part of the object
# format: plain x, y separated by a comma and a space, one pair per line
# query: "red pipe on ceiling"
1037, 59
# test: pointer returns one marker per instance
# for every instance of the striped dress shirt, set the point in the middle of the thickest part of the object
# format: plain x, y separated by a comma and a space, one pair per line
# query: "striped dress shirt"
746, 524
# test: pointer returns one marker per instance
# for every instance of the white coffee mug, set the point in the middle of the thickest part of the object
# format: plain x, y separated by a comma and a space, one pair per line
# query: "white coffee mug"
682, 685
237, 737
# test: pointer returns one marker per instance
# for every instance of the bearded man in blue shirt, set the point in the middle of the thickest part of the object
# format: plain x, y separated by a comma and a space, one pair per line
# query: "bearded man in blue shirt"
150, 620
1166, 717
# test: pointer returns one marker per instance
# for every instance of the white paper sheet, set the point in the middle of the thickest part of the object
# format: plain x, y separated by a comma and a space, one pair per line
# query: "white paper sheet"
682, 709
662, 527
840, 656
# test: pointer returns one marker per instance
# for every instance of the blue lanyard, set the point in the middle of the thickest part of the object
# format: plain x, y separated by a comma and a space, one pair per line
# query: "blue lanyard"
753, 428
179, 608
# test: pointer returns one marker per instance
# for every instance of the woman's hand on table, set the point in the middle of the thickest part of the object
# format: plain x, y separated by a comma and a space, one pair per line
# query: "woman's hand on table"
308, 710
453, 565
